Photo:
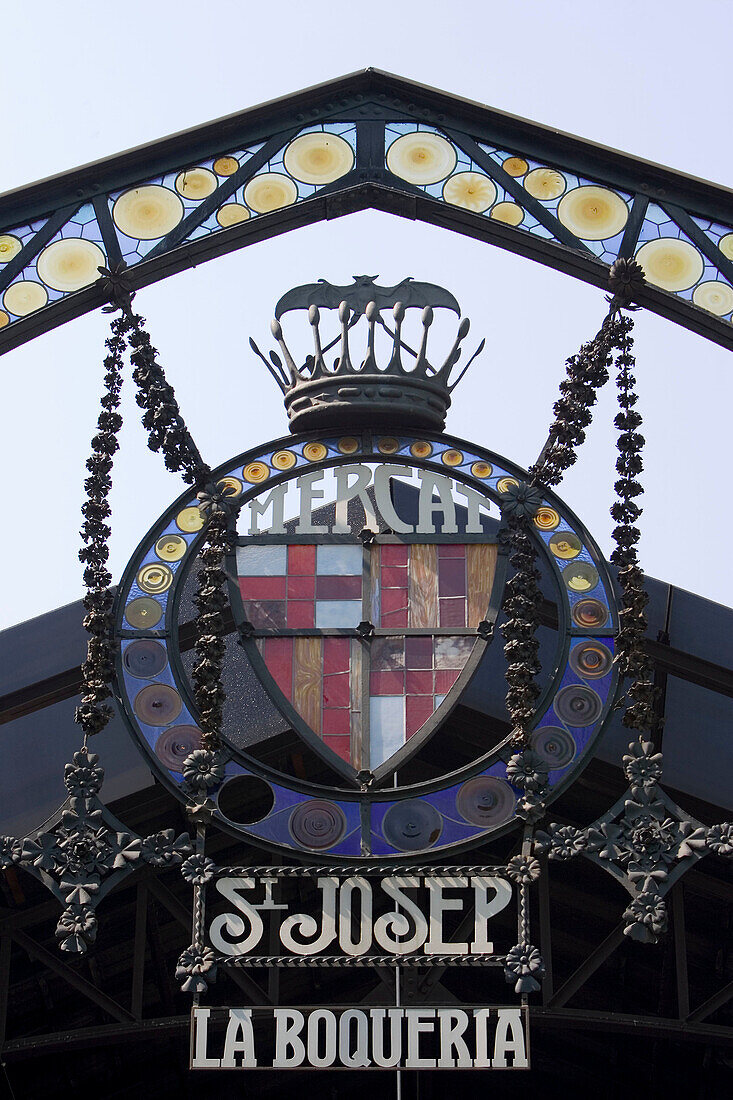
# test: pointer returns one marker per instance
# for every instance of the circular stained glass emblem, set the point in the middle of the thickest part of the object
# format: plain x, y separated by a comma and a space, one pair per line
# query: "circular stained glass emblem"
363, 572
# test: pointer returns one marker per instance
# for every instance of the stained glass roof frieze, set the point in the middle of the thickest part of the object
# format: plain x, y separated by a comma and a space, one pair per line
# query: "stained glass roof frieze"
368, 140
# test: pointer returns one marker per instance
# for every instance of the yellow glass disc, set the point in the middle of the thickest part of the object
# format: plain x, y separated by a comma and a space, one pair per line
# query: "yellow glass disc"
24, 297
580, 577
546, 519
515, 166
388, 445
470, 190
670, 263
726, 245
565, 545
147, 213
256, 472
9, 246
226, 166
230, 486
232, 213
318, 158
314, 452
421, 449
143, 613
714, 296
593, 213
508, 212
70, 264
545, 183
190, 519
4, 319
504, 482
348, 445
270, 191
196, 183
421, 158
170, 547
481, 469
155, 579
452, 458
283, 460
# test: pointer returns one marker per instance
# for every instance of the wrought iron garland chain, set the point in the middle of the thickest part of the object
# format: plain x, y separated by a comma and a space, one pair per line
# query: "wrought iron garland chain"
94, 713
645, 836
633, 661
521, 604
587, 372
85, 852
167, 433
162, 418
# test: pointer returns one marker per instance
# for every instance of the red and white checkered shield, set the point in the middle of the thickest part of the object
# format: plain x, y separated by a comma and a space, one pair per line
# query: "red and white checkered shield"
365, 641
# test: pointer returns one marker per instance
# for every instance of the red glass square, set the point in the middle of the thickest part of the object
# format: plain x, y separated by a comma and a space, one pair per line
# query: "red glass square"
394, 553
301, 588
336, 655
418, 709
301, 560
394, 619
338, 588
266, 614
453, 611
301, 613
419, 683
452, 577
445, 679
451, 550
262, 588
341, 746
336, 691
336, 723
387, 683
279, 660
394, 577
387, 653
419, 652
393, 599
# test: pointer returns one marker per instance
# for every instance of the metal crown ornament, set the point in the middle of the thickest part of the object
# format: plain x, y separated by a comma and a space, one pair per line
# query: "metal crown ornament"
415, 394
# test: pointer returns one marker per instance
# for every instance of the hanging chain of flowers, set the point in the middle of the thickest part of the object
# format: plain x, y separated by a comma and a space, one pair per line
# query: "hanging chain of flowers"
162, 418
94, 713
167, 433
210, 601
587, 372
521, 604
632, 658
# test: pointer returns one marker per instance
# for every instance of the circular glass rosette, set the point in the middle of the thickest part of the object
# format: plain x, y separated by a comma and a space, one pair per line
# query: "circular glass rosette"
355, 820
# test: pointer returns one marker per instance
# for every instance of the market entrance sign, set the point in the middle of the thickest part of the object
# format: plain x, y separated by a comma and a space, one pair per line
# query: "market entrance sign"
363, 562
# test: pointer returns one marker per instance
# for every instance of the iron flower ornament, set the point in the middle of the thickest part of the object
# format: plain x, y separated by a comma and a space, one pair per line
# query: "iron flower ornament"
524, 966
521, 501
196, 969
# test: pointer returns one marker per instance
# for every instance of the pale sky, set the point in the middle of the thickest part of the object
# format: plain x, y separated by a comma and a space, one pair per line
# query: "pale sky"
81, 80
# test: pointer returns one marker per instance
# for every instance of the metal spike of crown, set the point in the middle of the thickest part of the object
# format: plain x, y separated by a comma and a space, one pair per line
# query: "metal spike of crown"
415, 394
